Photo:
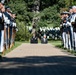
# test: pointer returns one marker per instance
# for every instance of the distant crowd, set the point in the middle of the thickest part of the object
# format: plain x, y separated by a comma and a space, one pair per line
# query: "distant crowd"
48, 33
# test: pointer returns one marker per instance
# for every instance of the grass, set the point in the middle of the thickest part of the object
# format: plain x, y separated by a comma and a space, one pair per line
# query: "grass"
15, 46
58, 44
17, 43
55, 42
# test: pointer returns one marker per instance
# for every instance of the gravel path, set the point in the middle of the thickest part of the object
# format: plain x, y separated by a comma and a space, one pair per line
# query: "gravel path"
38, 59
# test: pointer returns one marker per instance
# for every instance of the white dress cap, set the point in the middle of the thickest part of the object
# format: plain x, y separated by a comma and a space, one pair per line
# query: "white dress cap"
73, 6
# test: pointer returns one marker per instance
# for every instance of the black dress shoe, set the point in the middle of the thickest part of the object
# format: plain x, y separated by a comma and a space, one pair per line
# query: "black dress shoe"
1, 58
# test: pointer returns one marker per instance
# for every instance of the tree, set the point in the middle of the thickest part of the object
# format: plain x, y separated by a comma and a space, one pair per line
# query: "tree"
49, 16
49, 12
23, 17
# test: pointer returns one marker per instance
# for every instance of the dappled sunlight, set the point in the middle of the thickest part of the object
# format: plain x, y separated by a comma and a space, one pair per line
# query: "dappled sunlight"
38, 63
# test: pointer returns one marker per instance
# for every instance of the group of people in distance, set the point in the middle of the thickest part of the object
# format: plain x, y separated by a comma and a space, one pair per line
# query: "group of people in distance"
34, 39
68, 28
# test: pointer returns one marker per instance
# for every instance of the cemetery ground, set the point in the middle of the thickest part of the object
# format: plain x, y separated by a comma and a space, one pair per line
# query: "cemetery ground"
38, 59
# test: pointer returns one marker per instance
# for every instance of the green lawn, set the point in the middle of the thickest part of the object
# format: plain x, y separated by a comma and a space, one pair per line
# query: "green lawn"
55, 42
58, 44
16, 45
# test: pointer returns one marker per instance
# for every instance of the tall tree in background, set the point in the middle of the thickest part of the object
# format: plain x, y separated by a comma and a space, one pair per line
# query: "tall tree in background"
23, 17
49, 12
70, 2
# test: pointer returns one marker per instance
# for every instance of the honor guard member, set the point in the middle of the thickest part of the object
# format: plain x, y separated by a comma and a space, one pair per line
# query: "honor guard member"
61, 27
13, 28
7, 28
73, 22
71, 28
65, 30
2, 10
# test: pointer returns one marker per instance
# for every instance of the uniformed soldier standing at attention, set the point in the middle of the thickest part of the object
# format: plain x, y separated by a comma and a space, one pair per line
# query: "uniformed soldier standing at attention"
71, 28
73, 22
65, 25
7, 18
2, 10
13, 28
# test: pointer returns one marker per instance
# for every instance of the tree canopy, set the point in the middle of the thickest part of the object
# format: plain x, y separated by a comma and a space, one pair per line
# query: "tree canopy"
49, 12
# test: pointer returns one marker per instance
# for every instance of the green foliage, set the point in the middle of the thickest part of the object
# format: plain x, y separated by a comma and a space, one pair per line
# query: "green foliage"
49, 14
15, 46
23, 19
22, 33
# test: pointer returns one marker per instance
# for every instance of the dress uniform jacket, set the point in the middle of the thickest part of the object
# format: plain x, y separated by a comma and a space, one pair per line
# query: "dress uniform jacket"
34, 40
44, 41
73, 21
1, 22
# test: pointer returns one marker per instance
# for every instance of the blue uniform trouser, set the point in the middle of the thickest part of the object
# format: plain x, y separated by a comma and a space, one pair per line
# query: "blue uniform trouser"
64, 39
69, 42
74, 40
71, 37
11, 33
1, 40
6, 37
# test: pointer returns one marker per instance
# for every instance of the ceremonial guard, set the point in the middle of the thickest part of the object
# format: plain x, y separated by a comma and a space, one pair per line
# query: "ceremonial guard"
73, 22
7, 28
71, 28
2, 10
13, 28
65, 28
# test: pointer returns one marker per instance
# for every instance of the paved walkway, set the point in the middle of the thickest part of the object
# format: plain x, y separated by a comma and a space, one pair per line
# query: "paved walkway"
38, 59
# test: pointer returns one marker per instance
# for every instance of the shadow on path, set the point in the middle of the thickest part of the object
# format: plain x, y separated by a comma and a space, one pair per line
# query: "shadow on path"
39, 65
